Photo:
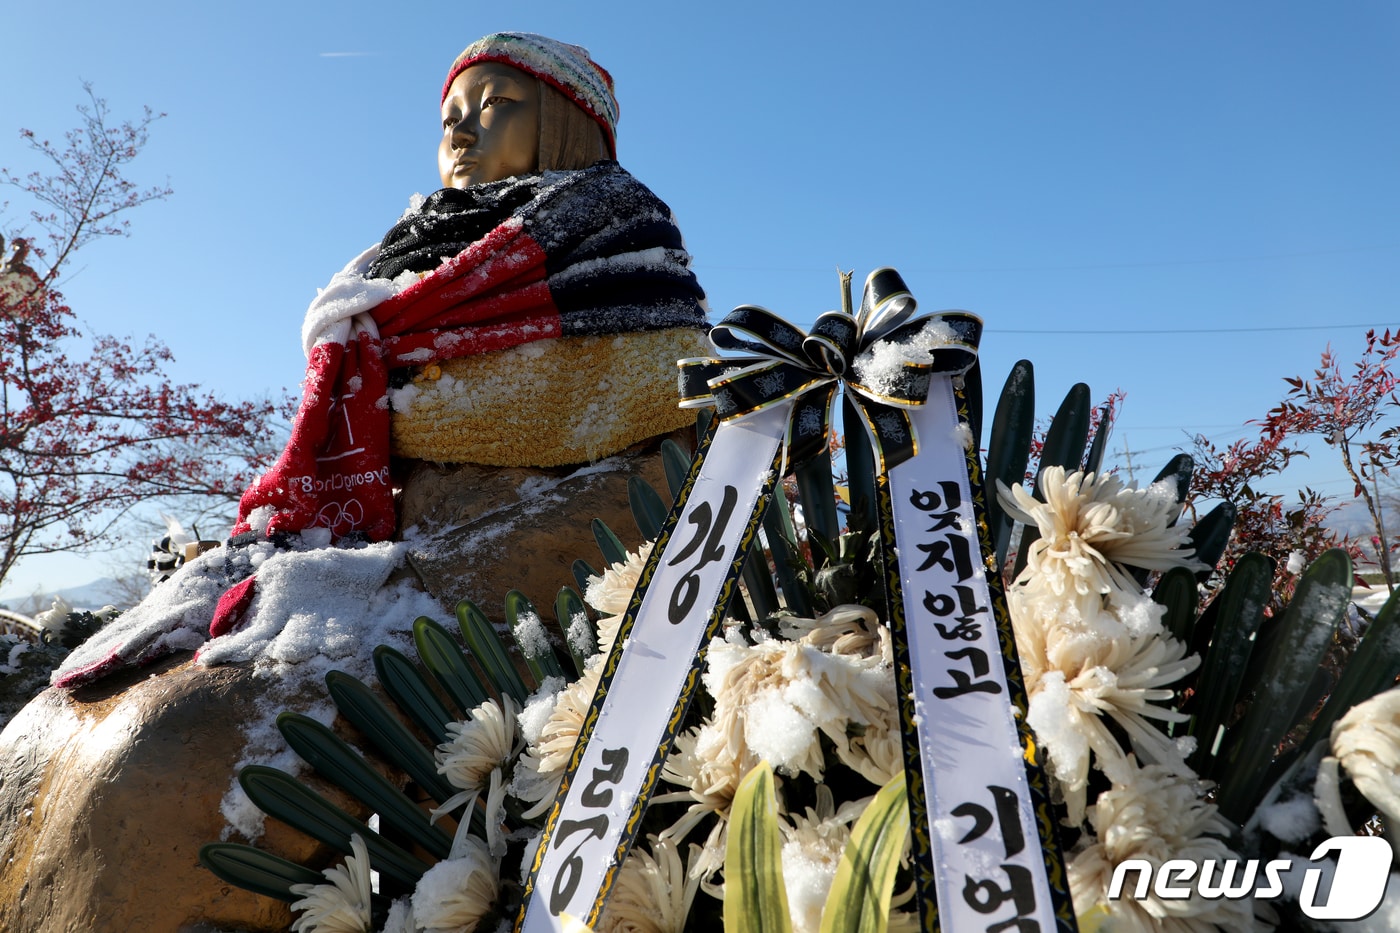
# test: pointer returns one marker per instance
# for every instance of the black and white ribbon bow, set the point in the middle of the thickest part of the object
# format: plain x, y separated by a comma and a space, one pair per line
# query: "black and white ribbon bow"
883, 355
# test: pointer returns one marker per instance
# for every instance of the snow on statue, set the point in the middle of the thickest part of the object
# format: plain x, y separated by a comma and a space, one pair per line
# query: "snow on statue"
519, 325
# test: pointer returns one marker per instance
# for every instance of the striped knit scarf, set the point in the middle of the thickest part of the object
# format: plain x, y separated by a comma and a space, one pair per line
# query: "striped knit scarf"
484, 268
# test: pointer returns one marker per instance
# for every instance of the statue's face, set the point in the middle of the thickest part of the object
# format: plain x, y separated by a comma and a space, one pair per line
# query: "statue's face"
490, 126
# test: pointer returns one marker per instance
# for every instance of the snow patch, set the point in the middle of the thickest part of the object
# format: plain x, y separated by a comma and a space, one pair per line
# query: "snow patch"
882, 366
530, 635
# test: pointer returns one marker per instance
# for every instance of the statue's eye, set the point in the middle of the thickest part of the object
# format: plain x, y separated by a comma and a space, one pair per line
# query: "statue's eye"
493, 101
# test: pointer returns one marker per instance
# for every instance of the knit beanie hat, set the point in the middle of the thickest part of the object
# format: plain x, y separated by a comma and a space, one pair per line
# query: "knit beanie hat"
565, 67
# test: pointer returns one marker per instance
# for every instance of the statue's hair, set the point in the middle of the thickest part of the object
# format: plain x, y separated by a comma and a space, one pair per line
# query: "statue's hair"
570, 138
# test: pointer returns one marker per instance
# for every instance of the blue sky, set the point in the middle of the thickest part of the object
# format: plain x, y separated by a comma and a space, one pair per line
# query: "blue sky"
1187, 201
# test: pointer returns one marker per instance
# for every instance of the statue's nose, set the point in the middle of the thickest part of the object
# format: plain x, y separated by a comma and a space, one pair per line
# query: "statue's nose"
464, 133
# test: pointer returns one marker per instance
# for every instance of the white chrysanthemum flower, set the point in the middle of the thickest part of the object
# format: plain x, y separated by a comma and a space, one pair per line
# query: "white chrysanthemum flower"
1366, 742
341, 906
485, 741
773, 699
1091, 527
708, 791
877, 752
653, 892
1153, 814
854, 631
611, 592
474, 759
455, 894
769, 704
1091, 678
541, 767
1078, 671
812, 847
835, 677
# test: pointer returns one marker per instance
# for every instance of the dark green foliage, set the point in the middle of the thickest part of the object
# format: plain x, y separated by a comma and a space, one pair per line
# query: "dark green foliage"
411, 692
1064, 445
1241, 603
1176, 590
860, 469
1304, 635
676, 464
568, 605
1178, 470
583, 572
608, 543
443, 658
1373, 667
1211, 535
1009, 449
255, 870
972, 397
338, 763
280, 795
368, 713
1093, 461
817, 493
485, 645
758, 582
1069, 432
789, 566
648, 509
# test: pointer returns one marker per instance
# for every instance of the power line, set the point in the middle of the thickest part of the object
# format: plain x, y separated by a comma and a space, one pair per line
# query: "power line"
1175, 427
1147, 264
1188, 441
1193, 331
1266, 257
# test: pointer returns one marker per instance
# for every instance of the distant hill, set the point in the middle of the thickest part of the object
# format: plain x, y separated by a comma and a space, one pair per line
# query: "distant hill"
103, 592
1352, 519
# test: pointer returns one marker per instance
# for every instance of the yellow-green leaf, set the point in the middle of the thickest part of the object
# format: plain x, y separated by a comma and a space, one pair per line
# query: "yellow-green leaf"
755, 900
859, 900
1094, 919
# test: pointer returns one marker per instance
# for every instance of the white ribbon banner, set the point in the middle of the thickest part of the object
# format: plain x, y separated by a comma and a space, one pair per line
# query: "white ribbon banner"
990, 869
652, 672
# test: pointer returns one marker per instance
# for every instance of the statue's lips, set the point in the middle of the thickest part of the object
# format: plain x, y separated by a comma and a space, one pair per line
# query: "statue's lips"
462, 166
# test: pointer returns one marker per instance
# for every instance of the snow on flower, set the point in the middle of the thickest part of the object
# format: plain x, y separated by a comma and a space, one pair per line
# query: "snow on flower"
455, 894
1153, 814
1080, 671
541, 767
400, 918
773, 699
342, 906
1091, 643
812, 845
